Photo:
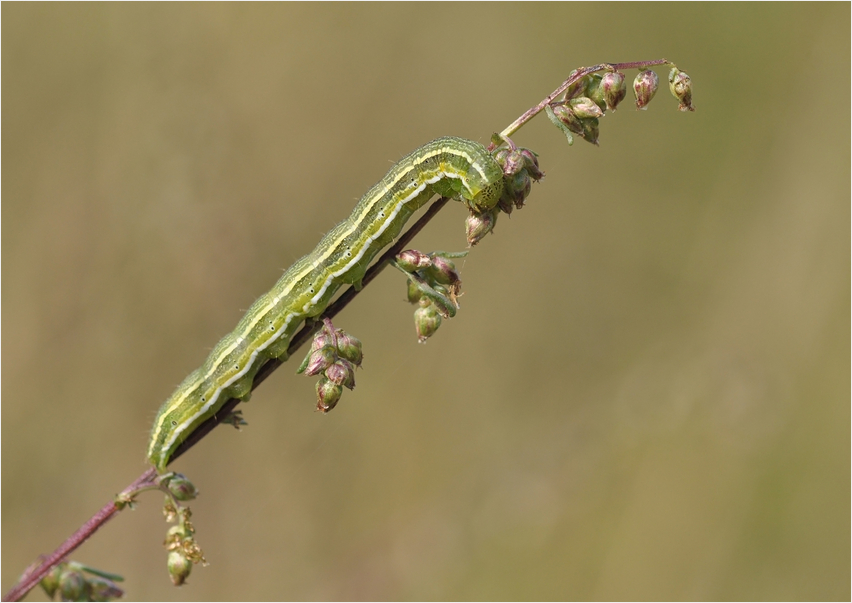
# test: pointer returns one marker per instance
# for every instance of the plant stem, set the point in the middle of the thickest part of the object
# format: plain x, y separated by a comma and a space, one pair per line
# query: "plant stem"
32, 576
575, 76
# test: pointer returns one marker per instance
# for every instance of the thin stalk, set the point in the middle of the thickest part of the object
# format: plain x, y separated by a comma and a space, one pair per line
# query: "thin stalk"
575, 76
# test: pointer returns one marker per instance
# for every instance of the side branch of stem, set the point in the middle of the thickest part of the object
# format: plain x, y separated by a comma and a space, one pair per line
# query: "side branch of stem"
575, 76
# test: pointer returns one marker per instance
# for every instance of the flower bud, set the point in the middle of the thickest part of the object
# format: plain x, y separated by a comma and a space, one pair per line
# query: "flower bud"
531, 164
349, 347
680, 85
614, 89
443, 271
501, 154
412, 260
567, 116
341, 373
511, 160
591, 130
645, 87
72, 585
505, 203
479, 225
50, 582
584, 107
595, 92
103, 589
180, 487
518, 188
318, 360
328, 395
179, 567
426, 321
577, 88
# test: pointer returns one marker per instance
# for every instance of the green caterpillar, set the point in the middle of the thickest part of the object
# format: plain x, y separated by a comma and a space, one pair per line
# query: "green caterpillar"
450, 167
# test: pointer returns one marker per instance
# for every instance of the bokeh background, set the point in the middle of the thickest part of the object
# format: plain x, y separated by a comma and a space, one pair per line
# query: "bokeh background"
644, 396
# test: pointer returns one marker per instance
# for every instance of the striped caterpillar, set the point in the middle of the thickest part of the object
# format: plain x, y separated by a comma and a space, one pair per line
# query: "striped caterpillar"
449, 166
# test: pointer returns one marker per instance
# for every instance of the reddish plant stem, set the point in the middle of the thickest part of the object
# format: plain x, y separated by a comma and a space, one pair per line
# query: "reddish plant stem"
575, 76
32, 576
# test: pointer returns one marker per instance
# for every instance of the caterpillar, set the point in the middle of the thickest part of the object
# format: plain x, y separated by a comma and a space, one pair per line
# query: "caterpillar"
449, 166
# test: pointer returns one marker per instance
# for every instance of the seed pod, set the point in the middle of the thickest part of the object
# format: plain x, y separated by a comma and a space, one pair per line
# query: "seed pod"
179, 567
645, 87
72, 585
531, 163
412, 260
426, 321
578, 88
328, 395
614, 89
443, 271
50, 582
180, 487
103, 589
680, 85
349, 347
318, 360
567, 116
341, 373
479, 225
584, 107
591, 130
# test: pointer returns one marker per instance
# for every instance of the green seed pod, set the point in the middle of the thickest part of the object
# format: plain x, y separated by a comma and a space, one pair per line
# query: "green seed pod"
342, 373
349, 347
591, 130
645, 87
501, 154
179, 567
102, 589
567, 116
531, 164
426, 321
511, 160
180, 487
412, 260
319, 360
584, 107
479, 225
443, 271
328, 395
50, 582
516, 188
614, 89
578, 88
680, 85
73, 585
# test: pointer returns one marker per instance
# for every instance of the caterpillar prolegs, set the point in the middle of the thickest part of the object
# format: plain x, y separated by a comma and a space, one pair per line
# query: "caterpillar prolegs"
449, 166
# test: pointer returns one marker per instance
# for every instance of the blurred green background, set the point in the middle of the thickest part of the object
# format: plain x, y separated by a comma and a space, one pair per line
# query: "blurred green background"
644, 396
